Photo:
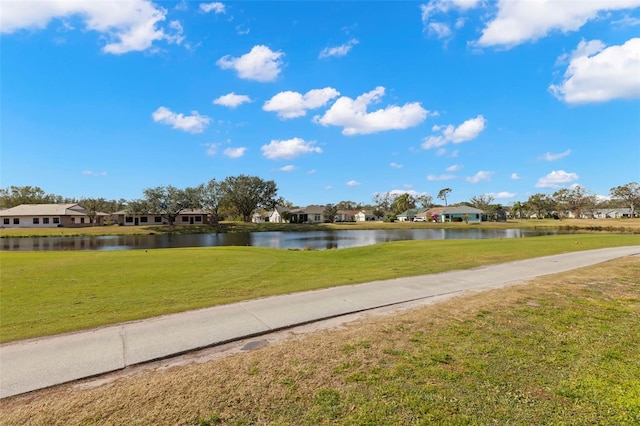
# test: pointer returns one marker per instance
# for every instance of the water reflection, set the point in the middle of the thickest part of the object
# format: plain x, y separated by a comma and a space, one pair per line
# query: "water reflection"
315, 240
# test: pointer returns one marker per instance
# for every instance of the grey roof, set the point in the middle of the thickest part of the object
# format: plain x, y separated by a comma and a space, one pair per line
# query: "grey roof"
461, 210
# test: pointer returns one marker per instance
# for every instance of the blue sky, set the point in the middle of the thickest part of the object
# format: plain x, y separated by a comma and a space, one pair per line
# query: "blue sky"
332, 100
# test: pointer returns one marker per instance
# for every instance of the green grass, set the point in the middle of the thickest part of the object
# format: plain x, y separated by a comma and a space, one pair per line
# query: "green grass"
560, 350
44, 293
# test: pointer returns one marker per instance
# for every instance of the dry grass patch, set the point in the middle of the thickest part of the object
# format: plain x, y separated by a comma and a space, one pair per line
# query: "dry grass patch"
562, 349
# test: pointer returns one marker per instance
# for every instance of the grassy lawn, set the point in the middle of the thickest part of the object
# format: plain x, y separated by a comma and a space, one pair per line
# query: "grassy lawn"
560, 350
51, 292
609, 225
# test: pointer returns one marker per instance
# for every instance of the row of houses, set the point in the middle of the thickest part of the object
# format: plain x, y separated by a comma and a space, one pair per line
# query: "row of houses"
312, 214
74, 215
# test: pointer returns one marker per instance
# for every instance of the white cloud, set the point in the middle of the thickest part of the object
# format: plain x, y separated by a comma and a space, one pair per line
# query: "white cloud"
235, 152
501, 195
518, 22
288, 168
396, 165
215, 7
556, 179
353, 183
260, 64
290, 104
440, 28
288, 149
599, 74
352, 114
125, 25
397, 192
92, 173
553, 157
434, 178
338, 51
194, 123
232, 100
454, 168
481, 176
468, 130
515, 176
212, 148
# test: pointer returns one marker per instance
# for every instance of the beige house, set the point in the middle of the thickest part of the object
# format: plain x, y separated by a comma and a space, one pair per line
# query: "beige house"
49, 216
186, 217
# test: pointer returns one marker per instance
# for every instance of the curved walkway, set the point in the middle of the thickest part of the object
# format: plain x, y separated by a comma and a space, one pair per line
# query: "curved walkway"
39, 363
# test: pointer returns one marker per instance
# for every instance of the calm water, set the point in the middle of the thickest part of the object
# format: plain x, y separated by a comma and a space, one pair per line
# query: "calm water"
317, 240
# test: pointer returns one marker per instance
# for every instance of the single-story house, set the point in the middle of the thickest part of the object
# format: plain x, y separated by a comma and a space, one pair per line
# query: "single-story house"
608, 213
345, 215
456, 214
186, 217
409, 215
309, 214
365, 216
260, 217
49, 216
276, 216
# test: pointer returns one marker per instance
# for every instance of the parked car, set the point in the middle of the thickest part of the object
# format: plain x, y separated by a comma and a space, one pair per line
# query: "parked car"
419, 219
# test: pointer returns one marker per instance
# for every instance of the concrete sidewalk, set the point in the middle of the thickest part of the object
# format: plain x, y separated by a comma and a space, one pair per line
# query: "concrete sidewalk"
39, 363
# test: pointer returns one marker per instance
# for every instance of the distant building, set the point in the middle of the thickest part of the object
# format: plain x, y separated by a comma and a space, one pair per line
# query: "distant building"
50, 216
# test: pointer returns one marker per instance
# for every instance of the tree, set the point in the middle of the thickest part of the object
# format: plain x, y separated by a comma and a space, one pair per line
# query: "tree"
481, 202
330, 212
629, 193
382, 202
517, 209
540, 204
211, 198
425, 201
442, 195
348, 205
575, 200
247, 193
169, 201
403, 203
16, 195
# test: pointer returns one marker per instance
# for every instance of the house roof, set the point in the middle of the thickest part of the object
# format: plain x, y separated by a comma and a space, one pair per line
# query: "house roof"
281, 209
312, 209
411, 212
45, 210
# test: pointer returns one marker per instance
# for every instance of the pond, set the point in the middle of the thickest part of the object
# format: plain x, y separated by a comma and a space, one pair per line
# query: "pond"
313, 240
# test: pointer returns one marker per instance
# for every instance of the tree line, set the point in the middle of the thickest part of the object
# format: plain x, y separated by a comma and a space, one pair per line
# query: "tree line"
238, 197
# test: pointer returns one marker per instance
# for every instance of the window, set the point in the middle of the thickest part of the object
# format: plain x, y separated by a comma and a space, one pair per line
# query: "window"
6, 221
16, 221
143, 219
45, 220
82, 220
158, 219
73, 220
56, 220
316, 218
128, 219
198, 218
36, 221
185, 219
